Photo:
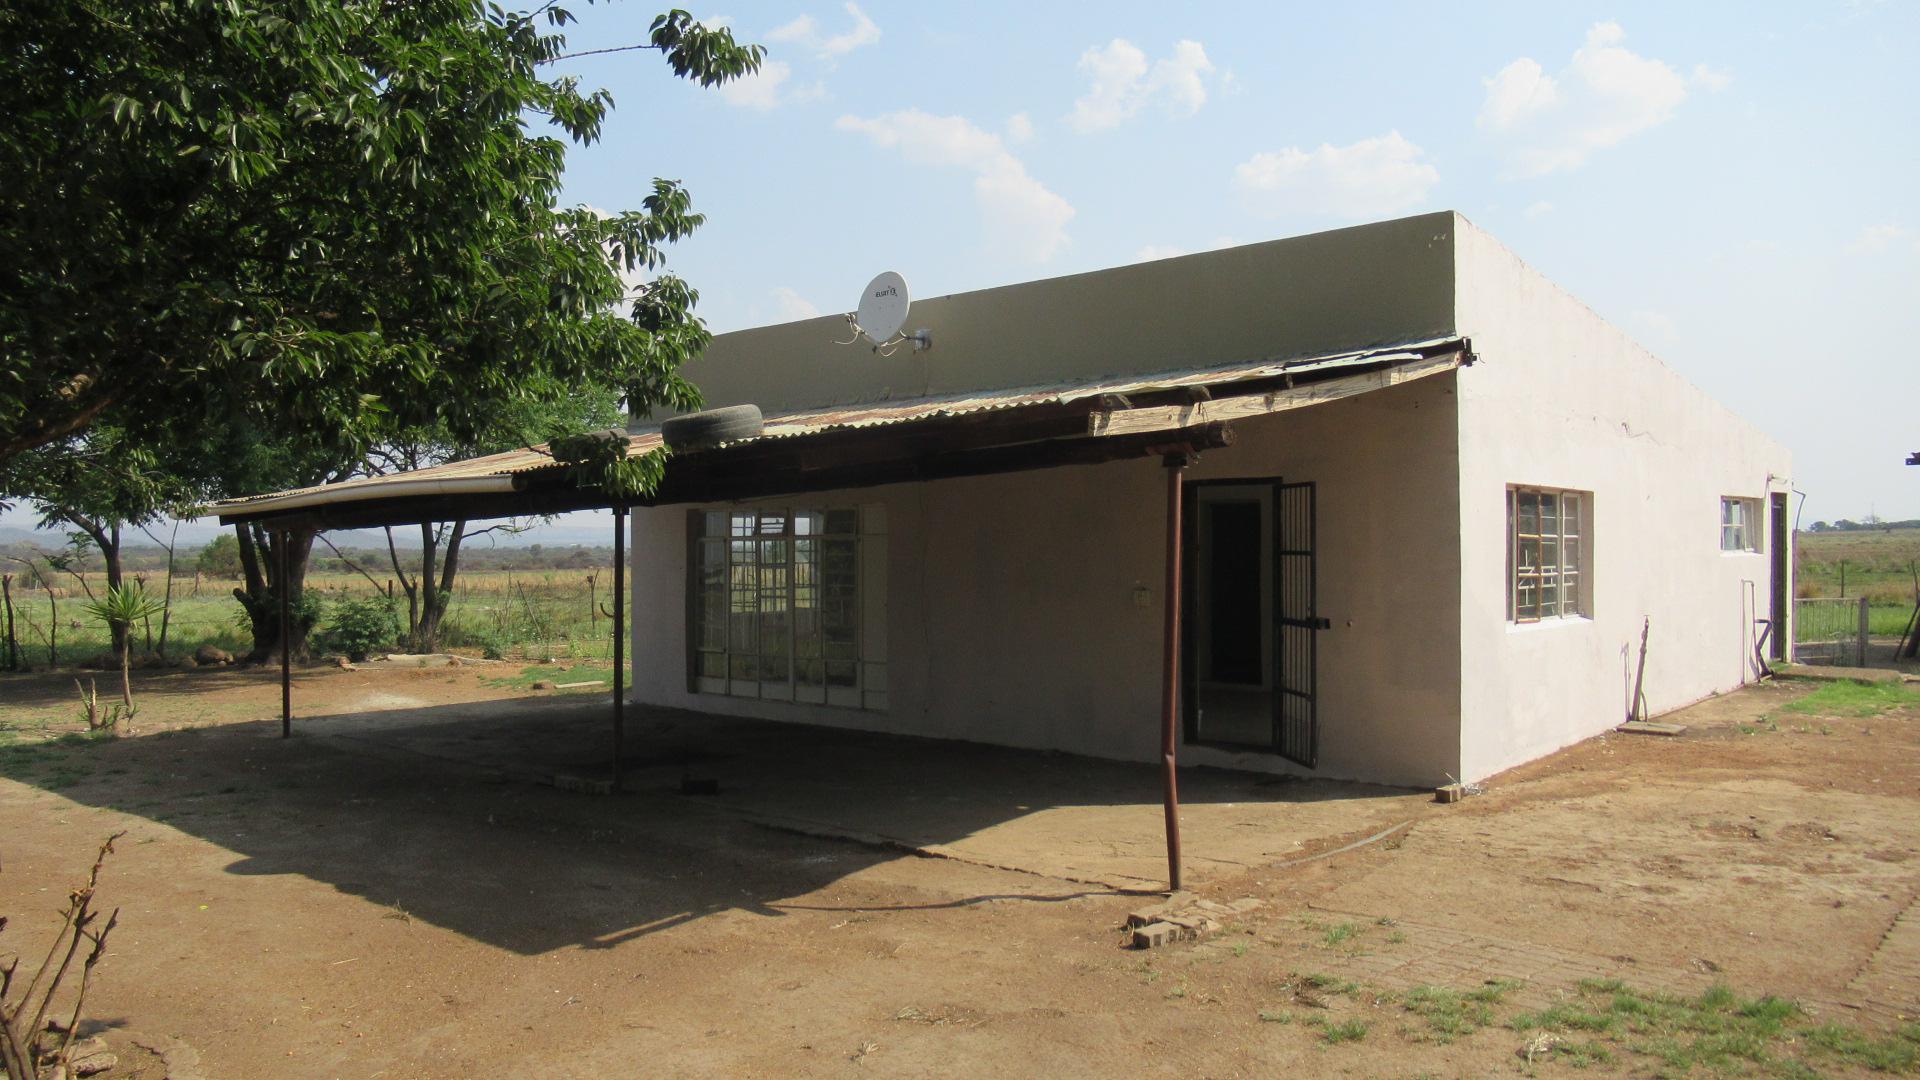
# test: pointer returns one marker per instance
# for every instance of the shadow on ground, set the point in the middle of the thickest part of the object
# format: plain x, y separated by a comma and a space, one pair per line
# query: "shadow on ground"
441, 813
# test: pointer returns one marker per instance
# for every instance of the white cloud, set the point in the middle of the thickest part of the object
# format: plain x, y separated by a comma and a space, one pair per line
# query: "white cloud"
1877, 238
805, 33
1370, 178
1712, 79
1019, 128
791, 306
1121, 83
1021, 212
1538, 209
1605, 95
760, 90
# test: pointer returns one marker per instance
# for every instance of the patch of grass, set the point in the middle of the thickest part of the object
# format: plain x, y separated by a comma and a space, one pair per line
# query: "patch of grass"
559, 673
1343, 1031
1275, 1016
1340, 935
1856, 700
1452, 1013
23, 760
1330, 983
1448, 1013
1719, 1031
1897, 1053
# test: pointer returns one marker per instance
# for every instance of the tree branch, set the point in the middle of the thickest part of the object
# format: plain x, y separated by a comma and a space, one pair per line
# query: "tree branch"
343, 557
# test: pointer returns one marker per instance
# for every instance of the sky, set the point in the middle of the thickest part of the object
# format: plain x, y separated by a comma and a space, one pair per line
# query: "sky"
1737, 185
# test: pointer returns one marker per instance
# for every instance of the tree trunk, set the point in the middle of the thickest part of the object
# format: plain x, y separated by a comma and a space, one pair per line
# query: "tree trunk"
260, 596
434, 612
106, 537
430, 587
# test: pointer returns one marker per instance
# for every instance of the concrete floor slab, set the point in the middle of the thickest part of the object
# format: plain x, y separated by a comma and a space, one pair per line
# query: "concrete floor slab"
1058, 815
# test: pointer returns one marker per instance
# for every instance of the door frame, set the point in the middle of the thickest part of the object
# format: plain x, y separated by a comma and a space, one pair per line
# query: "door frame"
1782, 573
1190, 607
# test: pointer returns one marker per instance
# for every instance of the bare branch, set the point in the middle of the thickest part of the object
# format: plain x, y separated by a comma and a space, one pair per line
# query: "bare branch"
345, 558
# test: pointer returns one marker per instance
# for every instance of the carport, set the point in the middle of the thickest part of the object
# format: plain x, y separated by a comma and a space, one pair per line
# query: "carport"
1174, 416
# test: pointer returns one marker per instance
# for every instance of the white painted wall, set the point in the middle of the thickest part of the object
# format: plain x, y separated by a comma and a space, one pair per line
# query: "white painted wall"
1563, 399
1010, 607
1010, 614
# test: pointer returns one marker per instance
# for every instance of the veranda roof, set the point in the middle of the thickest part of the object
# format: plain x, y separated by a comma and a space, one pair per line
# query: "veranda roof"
881, 442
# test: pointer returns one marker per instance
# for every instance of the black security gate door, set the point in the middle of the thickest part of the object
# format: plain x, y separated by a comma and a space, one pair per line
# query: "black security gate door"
1296, 728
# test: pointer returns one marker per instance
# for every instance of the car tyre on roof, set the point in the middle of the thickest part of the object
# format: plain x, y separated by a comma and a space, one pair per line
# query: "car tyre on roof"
698, 431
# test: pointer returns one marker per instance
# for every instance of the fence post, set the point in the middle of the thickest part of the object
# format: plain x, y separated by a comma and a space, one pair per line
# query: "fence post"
13, 651
1863, 631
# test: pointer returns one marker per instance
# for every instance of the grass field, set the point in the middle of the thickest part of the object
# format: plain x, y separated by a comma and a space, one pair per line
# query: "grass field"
1877, 565
509, 614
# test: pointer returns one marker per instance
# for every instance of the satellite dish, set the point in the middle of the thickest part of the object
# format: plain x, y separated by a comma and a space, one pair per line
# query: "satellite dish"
883, 307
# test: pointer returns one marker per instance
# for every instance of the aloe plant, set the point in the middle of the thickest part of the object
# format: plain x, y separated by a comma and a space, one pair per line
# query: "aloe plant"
119, 609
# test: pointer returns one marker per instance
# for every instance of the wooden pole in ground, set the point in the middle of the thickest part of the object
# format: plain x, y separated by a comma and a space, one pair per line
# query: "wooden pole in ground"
13, 649
1176, 465
1863, 630
619, 638
286, 636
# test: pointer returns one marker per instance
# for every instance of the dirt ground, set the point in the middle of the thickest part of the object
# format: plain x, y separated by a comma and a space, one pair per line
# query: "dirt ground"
391, 893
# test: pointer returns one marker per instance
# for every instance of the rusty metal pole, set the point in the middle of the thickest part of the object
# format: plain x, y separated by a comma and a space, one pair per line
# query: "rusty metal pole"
1176, 465
286, 635
619, 638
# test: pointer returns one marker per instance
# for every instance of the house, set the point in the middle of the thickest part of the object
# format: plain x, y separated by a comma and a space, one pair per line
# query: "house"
1436, 518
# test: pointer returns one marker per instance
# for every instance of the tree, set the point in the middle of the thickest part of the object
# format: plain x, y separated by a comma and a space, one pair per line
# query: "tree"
279, 209
549, 413
96, 485
220, 558
286, 232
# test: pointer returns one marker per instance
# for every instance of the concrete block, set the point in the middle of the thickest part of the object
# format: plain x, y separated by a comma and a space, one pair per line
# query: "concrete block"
1155, 935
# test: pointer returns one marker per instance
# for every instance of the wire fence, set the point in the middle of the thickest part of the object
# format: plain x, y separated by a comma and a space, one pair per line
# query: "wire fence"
510, 615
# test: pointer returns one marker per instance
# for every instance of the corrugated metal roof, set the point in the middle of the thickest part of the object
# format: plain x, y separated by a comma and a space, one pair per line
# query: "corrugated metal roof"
877, 414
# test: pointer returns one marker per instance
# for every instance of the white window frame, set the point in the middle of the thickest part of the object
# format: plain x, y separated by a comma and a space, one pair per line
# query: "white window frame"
1740, 532
1549, 566
765, 584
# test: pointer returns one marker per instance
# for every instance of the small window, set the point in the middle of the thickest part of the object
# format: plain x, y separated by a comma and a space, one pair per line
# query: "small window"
1739, 524
1547, 554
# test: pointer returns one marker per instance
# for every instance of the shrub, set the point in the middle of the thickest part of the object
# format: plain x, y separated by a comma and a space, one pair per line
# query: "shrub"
358, 627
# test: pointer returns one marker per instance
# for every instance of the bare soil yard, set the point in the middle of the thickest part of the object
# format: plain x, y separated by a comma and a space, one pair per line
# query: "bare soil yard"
389, 894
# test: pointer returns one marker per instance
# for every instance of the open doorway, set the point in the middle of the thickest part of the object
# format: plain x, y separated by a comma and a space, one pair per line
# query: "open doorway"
1250, 648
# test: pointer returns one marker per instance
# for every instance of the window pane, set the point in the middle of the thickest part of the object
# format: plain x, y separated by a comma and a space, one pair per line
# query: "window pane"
1549, 515
843, 522
1529, 517
741, 524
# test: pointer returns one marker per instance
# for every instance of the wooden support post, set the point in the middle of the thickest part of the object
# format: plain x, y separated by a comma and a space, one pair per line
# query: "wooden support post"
283, 564
619, 638
1170, 674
